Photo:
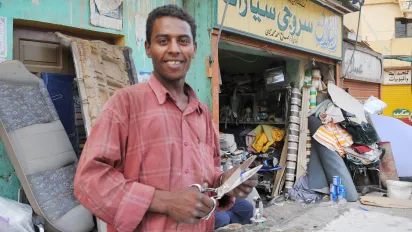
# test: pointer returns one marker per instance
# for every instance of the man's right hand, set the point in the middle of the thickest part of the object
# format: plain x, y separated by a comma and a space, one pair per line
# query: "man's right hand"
189, 205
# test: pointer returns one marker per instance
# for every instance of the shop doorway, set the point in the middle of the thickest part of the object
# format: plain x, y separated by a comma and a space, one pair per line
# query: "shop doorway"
254, 96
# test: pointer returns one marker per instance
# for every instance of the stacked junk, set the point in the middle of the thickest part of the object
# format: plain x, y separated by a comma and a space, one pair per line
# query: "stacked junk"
293, 138
329, 137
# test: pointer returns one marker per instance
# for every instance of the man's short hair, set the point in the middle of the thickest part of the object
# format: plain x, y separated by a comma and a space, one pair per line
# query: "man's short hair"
171, 11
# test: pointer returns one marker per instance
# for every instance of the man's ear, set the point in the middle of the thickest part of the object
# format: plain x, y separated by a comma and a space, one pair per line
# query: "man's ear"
195, 50
147, 47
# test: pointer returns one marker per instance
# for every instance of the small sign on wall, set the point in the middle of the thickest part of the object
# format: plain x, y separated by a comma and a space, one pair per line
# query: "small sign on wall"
397, 77
401, 113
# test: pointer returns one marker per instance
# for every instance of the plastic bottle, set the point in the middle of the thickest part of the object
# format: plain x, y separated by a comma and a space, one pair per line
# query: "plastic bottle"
313, 94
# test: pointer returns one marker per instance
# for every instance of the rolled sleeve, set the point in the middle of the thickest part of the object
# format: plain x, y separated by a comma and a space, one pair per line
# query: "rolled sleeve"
133, 207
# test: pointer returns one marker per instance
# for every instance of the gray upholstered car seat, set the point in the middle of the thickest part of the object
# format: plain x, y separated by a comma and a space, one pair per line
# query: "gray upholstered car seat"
39, 149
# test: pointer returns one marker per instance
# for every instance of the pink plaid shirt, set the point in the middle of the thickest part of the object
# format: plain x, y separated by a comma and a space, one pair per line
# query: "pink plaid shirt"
141, 142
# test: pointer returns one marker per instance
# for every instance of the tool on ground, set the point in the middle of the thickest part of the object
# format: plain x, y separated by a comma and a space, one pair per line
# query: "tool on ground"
258, 215
237, 178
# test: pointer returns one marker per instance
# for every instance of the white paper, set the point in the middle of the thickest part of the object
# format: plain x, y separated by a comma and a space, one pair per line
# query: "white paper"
346, 102
3, 37
105, 6
97, 19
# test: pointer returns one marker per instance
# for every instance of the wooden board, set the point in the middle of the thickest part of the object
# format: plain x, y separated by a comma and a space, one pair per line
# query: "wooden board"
280, 172
386, 202
301, 162
100, 72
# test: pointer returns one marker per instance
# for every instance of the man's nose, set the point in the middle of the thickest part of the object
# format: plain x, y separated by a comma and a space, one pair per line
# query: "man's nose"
174, 47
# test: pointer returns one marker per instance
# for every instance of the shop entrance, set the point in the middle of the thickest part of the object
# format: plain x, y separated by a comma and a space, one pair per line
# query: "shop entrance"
261, 104
254, 96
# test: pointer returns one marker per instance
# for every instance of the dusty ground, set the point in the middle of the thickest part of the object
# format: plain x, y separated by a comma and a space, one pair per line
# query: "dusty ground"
294, 217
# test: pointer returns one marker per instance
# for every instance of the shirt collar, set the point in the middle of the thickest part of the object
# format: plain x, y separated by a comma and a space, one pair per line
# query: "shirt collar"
162, 93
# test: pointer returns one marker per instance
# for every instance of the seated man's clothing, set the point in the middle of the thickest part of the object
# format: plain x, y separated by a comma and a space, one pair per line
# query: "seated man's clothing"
140, 142
240, 213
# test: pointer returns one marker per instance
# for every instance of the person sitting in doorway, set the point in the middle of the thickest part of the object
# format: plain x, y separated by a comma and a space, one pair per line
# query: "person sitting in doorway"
240, 213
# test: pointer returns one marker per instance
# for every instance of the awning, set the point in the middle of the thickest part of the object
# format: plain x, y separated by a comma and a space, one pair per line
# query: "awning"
401, 58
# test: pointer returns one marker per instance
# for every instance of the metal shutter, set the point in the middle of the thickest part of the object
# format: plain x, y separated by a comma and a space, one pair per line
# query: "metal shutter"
397, 97
361, 90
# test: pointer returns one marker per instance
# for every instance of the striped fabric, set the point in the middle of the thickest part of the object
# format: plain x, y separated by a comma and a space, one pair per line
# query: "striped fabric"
143, 142
334, 137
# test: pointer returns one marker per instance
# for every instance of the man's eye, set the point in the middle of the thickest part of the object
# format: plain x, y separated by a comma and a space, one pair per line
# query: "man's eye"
184, 41
163, 41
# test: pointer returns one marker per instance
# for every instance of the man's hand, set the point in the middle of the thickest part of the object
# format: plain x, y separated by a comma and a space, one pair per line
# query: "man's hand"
189, 205
225, 203
243, 190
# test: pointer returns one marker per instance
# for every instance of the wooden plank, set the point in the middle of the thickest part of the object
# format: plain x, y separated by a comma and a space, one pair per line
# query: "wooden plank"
280, 172
282, 183
301, 162
100, 71
386, 202
215, 82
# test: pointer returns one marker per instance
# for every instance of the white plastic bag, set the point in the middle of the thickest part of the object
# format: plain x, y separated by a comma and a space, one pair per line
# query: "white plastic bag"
15, 216
374, 105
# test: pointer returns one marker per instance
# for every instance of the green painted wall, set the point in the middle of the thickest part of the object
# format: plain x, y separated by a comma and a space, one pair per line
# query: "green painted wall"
76, 13
202, 11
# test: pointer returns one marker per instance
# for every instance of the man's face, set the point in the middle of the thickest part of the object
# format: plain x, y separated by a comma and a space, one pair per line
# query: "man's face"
172, 48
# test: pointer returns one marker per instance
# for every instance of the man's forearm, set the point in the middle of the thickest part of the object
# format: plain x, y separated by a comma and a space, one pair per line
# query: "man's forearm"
159, 202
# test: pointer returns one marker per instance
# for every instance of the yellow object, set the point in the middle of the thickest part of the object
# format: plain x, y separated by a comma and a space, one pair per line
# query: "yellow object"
396, 97
278, 134
268, 144
266, 136
260, 142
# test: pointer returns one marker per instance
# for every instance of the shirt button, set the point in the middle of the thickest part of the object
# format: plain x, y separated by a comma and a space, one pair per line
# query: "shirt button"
186, 144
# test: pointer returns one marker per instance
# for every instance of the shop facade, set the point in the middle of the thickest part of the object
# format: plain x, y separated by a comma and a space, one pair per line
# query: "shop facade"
281, 38
362, 70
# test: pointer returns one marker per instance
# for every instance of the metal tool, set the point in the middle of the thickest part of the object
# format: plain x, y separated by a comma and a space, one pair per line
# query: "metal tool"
258, 215
237, 178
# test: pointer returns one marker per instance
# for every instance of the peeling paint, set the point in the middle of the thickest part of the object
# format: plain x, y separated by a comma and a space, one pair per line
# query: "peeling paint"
35, 2
140, 29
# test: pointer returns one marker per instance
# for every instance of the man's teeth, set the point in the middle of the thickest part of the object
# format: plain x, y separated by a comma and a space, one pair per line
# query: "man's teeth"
174, 62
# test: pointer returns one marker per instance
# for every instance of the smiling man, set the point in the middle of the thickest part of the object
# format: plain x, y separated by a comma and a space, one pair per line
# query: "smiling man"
153, 140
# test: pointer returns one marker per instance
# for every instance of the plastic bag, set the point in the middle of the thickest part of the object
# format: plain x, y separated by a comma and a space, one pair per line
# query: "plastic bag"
374, 105
15, 216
